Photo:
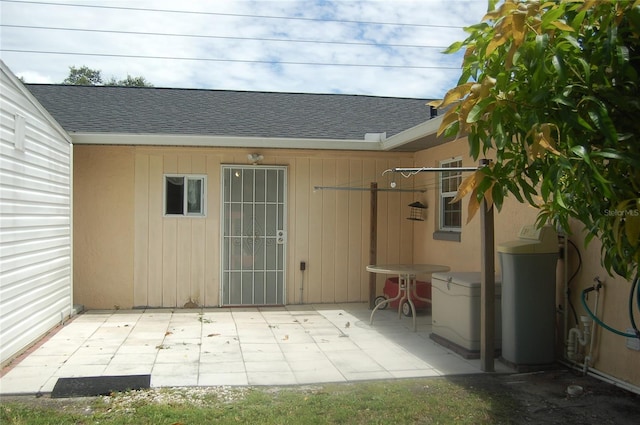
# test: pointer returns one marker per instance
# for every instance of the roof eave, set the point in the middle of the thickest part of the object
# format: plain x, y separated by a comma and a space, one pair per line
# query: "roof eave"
82, 138
427, 128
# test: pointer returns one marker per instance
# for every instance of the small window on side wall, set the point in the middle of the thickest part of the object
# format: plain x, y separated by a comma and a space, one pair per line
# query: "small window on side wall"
450, 214
184, 195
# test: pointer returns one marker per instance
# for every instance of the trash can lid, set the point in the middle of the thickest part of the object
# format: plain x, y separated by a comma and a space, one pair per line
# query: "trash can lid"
532, 241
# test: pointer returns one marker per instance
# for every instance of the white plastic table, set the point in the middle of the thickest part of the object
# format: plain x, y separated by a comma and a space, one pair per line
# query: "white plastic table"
406, 283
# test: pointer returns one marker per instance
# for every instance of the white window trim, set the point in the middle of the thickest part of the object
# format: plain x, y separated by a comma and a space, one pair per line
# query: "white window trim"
203, 195
442, 195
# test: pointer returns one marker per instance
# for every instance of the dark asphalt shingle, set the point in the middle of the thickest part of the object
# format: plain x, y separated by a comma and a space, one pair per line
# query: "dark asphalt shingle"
107, 109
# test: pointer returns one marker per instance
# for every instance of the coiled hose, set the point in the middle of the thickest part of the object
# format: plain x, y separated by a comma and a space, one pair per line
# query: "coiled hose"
634, 288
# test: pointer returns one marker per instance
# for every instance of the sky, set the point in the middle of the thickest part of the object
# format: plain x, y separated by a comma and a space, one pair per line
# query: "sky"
380, 48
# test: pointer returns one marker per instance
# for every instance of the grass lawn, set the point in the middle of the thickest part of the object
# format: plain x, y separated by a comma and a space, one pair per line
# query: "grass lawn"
411, 401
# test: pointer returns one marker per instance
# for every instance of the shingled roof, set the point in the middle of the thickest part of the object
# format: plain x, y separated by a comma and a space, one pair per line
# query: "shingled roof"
144, 110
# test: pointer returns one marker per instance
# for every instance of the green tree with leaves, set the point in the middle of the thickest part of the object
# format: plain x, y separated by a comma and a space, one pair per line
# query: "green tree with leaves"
551, 89
129, 82
85, 76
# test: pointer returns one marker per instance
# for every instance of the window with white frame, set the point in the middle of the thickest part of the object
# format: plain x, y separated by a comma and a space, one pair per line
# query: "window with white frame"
450, 214
184, 195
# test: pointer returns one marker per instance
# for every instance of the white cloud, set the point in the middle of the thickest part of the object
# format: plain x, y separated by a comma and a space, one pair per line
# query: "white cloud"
266, 67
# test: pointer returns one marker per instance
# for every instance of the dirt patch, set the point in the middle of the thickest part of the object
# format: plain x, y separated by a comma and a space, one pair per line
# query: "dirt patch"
542, 397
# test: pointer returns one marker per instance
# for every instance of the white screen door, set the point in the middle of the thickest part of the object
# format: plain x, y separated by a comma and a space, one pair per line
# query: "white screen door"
253, 235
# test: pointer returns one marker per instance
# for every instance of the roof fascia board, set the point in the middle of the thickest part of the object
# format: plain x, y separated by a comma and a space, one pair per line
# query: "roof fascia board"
221, 141
414, 133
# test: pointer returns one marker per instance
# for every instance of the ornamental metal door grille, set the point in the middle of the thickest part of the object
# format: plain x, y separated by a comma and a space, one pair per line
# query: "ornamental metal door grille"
253, 235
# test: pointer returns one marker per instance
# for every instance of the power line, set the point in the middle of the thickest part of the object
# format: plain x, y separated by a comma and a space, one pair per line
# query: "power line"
354, 43
238, 15
113, 55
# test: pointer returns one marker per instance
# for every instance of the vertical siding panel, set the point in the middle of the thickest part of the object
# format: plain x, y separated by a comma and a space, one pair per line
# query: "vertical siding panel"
169, 263
410, 229
198, 234
328, 231
169, 246
396, 215
212, 233
156, 258
300, 214
316, 232
341, 242
183, 263
368, 176
383, 214
356, 216
183, 253
141, 231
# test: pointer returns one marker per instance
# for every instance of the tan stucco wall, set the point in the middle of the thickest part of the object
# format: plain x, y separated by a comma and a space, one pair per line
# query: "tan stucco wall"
103, 226
610, 355
464, 255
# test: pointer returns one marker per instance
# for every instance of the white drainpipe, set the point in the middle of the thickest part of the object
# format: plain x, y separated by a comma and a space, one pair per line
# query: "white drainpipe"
576, 336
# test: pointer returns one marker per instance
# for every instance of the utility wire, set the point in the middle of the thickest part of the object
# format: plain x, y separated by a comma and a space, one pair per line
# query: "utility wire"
270, 62
238, 15
350, 43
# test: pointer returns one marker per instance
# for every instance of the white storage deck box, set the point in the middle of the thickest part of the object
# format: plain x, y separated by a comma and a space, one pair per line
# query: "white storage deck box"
455, 309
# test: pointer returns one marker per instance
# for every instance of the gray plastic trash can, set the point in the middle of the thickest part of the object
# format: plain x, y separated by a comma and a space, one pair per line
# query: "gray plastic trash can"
529, 296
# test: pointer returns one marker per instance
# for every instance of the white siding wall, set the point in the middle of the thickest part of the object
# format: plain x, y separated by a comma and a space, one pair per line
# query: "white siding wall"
35, 219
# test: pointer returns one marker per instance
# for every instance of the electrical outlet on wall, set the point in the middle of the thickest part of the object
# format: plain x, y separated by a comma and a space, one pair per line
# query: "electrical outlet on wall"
632, 343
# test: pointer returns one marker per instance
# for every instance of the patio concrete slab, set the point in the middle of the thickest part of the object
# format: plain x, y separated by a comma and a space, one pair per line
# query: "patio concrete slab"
243, 346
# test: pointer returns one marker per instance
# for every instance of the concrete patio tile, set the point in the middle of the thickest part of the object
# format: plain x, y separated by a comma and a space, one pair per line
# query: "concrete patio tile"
317, 377
138, 347
310, 365
94, 359
353, 361
175, 355
366, 376
398, 362
298, 337
269, 378
23, 384
219, 357
184, 370
335, 344
173, 380
246, 346
311, 347
71, 370
451, 364
43, 362
256, 338
265, 356
223, 378
273, 366
22, 371
133, 358
129, 369
96, 350
222, 367
55, 349
305, 356
260, 348
414, 373
48, 386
